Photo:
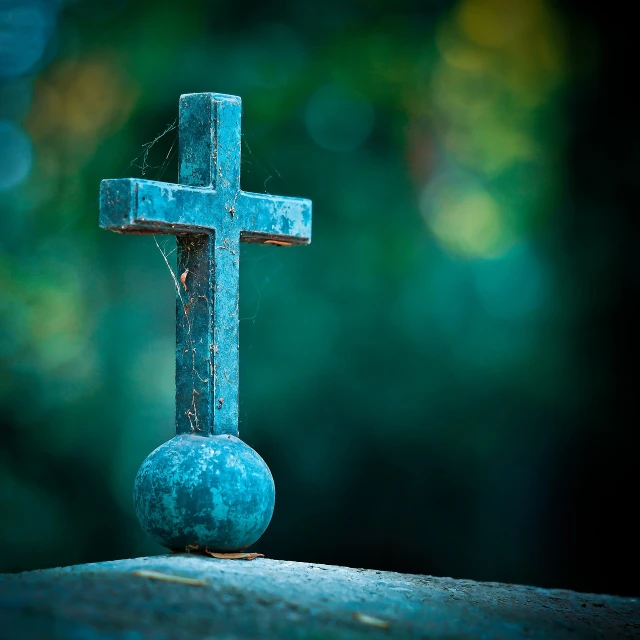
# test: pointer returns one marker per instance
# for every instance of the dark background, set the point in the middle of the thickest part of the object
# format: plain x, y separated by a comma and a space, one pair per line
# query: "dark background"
444, 382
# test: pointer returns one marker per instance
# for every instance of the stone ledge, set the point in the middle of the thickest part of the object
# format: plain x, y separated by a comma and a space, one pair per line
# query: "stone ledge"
277, 599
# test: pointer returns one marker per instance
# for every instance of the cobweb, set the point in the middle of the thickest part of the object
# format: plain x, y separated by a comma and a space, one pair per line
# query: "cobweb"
160, 154
142, 160
258, 268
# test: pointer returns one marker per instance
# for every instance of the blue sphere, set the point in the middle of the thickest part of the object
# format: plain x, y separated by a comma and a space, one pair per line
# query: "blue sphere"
214, 492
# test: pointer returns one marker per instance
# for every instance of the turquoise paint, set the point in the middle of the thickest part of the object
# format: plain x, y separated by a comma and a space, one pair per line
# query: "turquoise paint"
216, 492
205, 487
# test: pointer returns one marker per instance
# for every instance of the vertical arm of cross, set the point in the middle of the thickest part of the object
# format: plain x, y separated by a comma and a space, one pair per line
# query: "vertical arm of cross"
207, 319
210, 142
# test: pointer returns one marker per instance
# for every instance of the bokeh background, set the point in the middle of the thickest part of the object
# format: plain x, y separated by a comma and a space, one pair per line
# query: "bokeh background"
442, 382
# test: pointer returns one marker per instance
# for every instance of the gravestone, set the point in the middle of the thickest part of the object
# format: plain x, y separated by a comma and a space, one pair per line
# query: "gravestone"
205, 489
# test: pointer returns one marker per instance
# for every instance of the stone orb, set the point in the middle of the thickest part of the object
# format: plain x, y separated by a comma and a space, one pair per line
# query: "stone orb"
214, 492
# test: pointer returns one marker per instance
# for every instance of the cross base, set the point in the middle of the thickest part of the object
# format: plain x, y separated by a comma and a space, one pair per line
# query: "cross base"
210, 492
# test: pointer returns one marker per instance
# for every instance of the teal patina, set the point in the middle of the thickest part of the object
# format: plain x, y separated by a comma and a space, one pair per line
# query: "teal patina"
205, 487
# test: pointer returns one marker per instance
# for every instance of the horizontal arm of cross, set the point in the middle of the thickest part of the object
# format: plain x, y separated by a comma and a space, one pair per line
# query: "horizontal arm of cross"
130, 205
268, 217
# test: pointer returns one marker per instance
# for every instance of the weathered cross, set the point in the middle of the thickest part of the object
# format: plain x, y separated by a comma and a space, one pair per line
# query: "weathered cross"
212, 492
209, 215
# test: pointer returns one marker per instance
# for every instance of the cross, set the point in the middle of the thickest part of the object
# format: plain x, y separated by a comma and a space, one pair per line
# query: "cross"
209, 215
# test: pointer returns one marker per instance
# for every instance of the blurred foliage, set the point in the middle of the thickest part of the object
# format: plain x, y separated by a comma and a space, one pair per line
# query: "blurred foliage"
433, 382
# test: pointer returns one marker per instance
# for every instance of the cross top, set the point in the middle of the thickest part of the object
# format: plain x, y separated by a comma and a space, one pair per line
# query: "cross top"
209, 215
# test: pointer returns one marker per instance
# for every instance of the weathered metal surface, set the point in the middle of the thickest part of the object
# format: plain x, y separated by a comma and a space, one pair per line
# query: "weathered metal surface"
188, 504
227, 479
183, 597
146, 206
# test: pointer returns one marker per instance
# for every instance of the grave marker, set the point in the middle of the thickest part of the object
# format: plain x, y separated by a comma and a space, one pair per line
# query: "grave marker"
205, 487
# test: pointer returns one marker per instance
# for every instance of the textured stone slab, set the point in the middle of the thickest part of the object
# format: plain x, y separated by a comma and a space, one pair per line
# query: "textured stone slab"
264, 598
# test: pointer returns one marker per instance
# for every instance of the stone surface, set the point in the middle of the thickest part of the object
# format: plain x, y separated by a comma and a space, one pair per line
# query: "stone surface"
265, 598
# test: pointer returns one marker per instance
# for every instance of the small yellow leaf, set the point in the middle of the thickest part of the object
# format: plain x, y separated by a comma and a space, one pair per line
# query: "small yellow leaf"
166, 577
371, 621
234, 556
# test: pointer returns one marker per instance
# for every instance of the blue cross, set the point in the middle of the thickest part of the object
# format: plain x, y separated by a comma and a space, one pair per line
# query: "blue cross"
209, 215
211, 492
